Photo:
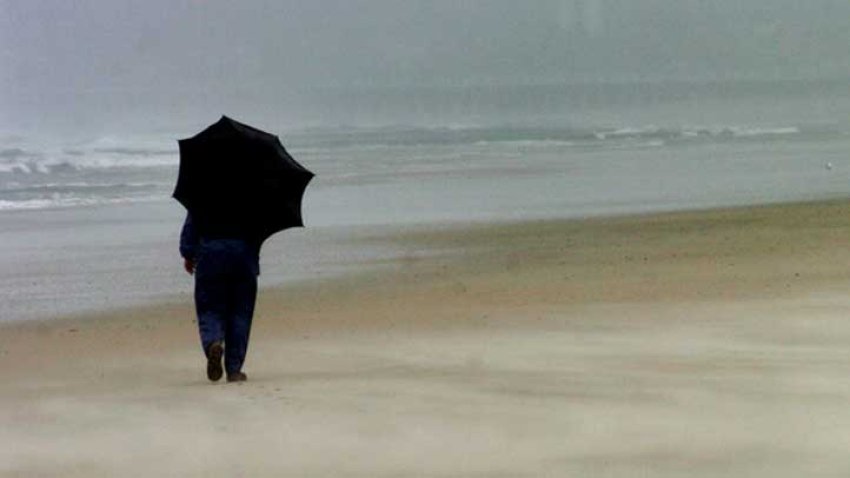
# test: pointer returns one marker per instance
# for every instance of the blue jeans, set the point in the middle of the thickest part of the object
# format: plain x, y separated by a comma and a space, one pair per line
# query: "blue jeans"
225, 293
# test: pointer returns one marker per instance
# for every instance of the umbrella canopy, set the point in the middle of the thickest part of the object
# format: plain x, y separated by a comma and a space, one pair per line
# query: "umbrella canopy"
238, 181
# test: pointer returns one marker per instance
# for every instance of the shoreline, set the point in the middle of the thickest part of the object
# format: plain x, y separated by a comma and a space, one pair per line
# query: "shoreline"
662, 344
425, 252
89, 259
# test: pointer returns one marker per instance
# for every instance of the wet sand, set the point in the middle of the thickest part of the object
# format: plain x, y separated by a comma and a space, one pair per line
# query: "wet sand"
700, 344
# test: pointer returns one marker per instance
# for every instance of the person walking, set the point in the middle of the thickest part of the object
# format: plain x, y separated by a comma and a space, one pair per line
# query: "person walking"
225, 270
239, 186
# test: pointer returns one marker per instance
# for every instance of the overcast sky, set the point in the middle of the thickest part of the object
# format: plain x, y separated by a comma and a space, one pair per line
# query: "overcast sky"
64, 56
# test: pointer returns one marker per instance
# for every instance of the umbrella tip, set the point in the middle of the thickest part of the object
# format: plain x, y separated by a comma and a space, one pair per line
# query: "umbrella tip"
227, 121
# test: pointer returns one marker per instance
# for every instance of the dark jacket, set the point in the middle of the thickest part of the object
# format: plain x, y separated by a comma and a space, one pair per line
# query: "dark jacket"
193, 244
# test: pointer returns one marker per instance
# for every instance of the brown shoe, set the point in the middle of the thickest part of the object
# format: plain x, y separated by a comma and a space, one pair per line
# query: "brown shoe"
236, 377
214, 353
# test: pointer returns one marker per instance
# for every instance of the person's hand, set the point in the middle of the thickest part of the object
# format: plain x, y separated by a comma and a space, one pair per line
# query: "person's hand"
189, 265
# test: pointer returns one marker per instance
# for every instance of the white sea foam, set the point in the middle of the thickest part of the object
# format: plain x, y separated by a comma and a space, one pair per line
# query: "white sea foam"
632, 131
23, 205
528, 143
32, 156
49, 162
778, 131
80, 186
684, 133
61, 201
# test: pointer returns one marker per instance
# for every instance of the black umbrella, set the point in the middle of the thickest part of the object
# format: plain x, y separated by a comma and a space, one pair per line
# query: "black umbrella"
238, 181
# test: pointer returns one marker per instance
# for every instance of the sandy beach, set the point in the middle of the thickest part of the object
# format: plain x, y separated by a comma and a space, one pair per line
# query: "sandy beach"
700, 344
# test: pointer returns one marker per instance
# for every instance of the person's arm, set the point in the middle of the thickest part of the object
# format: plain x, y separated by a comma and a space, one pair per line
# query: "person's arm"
189, 242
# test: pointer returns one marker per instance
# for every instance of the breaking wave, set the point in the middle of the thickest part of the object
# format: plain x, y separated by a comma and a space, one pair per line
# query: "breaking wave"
36, 175
58, 202
540, 136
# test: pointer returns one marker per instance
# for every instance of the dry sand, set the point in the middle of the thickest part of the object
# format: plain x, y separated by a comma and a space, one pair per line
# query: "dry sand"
700, 344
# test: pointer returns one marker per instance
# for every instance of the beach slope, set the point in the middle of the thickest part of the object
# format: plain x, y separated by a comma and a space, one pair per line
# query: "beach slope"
700, 344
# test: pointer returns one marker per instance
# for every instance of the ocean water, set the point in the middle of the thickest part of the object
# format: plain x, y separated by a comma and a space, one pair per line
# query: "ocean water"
432, 154
88, 223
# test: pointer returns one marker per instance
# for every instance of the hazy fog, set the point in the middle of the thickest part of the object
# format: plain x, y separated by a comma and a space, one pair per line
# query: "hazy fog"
72, 61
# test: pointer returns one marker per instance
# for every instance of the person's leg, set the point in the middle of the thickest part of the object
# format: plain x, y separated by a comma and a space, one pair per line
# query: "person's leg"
243, 289
211, 308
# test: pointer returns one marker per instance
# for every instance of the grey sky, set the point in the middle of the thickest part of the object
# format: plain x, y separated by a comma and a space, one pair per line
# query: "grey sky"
63, 56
